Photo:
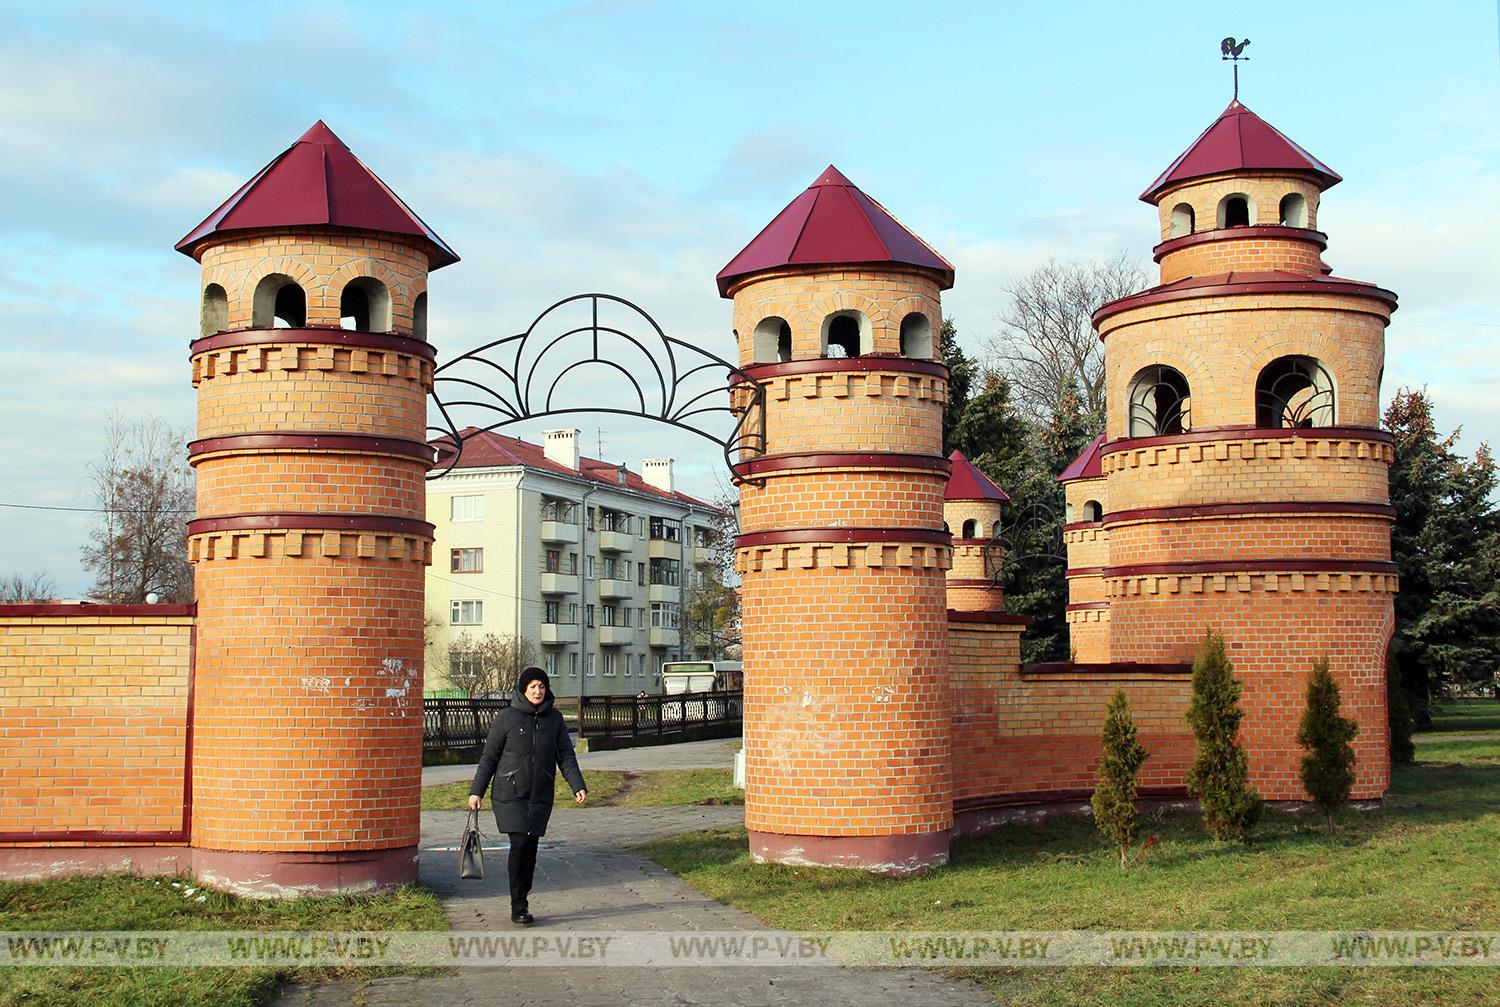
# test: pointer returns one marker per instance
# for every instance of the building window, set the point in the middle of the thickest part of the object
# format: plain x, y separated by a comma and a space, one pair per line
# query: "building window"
613, 570
665, 529
666, 571
549, 663
588, 666
1160, 402
970, 529
588, 566
664, 615
553, 558
419, 316
591, 519
609, 613
1182, 220
551, 612
640, 575
467, 613
467, 508
560, 511
615, 521
466, 561
609, 664
463, 666
572, 665
572, 613
1294, 392
573, 564
916, 336
1093, 511
588, 616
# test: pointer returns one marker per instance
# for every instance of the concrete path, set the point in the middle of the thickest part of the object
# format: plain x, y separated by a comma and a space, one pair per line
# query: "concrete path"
687, 755
589, 879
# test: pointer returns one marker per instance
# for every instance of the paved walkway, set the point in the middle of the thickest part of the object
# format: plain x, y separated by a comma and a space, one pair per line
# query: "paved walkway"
588, 878
687, 755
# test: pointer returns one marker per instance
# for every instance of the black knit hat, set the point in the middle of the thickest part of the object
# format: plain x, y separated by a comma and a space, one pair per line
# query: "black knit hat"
533, 675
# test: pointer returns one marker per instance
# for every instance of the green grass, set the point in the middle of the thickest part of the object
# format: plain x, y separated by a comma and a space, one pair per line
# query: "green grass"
1427, 860
606, 788
1466, 715
129, 903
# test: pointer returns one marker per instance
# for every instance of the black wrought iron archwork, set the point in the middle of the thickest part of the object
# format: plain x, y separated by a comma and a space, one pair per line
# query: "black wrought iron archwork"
691, 385
1294, 392
1031, 535
1160, 402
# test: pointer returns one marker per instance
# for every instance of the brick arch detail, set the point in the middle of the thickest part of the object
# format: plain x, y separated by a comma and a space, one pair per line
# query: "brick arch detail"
920, 303
848, 300
402, 294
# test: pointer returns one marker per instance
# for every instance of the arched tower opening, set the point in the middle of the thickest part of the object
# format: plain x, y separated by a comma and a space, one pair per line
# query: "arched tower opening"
845, 334
1182, 220
773, 341
365, 305
1293, 210
1294, 391
214, 316
279, 303
1160, 402
916, 336
1236, 210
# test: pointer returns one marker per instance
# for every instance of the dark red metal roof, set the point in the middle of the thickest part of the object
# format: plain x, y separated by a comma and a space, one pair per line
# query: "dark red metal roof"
1240, 140
1276, 281
833, 223
1087, 464
318, 181
966, 482
491, 450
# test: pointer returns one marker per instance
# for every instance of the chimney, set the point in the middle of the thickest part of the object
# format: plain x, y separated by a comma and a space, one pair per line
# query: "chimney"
561, 446
658, 472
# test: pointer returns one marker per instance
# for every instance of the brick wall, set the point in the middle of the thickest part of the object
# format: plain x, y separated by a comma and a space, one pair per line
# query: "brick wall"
94, 704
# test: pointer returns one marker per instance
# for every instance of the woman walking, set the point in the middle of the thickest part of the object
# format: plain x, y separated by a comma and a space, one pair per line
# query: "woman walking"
528, 743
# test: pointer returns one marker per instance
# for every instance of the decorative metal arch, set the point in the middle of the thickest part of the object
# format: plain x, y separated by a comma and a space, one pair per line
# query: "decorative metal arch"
1294, 392
1032, 535
676, 383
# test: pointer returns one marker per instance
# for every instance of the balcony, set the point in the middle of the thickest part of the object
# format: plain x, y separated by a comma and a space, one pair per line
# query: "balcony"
610, 588
659, 637
664, 592
560, 532
616, 636
552, 633
704, 555
616, 541
559, 583
660, 548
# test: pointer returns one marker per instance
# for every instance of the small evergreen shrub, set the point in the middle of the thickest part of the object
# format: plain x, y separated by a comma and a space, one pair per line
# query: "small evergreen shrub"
1114, 796
1328, 766
1220, 774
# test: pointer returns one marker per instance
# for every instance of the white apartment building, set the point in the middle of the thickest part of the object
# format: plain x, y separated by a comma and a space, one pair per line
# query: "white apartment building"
590, 561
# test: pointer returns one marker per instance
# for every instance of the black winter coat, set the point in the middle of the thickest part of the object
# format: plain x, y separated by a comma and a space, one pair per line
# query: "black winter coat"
526, 746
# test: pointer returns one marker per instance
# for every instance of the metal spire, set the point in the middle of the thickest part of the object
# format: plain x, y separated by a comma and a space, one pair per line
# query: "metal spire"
1230, 50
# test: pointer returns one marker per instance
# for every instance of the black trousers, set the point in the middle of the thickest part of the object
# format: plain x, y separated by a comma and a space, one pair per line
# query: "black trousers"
522, 867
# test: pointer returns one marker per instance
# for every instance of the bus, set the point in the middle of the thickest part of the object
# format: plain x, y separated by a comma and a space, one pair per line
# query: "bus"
678, 677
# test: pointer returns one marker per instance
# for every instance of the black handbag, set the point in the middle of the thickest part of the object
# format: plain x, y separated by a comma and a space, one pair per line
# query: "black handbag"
471, 850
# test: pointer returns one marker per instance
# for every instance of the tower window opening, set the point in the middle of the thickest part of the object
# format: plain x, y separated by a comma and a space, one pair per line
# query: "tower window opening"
995, 530
279, 303
215, 314
1160, 402
1293, 210
1182, 220
1093, 511
1234, 210
971, 529
843, 334
772, 341
419, 316
365, 305
1294, 392
916, 336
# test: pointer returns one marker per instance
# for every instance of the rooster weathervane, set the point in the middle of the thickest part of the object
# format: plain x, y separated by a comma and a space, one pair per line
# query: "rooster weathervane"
1230, 49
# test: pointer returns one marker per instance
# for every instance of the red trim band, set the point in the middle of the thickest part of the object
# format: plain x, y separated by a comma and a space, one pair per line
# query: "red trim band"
83, 608
972, 541
1085, 606
351, 338
841, 536
1084, 571
992, 618
1247, 432
847, 460
1106, 668
1232, 288
975, 582
1080, 525
1305, 235
1249, 510
308, 441
829, 365
311, 521
1254, 566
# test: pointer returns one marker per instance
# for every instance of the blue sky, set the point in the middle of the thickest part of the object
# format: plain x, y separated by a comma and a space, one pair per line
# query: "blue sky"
635, 147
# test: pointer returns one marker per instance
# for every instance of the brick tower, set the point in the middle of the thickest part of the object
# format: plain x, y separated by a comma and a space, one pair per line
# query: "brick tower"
312, 371
971, 510
842, 550
1243, 477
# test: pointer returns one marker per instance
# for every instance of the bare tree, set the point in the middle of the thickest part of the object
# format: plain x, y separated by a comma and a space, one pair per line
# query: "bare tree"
144, 488
711, 605
491, 664
1047, 345
18, 588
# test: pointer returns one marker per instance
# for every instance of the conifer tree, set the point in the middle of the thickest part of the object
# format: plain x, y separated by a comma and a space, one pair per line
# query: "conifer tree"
1398, 716
1328, 766
1220, 774
1114, 795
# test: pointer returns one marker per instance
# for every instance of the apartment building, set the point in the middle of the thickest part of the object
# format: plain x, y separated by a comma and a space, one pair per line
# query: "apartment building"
590, 561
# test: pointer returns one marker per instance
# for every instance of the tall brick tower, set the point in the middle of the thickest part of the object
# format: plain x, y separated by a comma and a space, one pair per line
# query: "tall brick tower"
842, 551
1243, 478
312, 370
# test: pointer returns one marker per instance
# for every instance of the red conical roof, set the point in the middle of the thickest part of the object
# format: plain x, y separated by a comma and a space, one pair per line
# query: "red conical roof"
1240, 140
833, 223
966, 482
1088, 464
317, 181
